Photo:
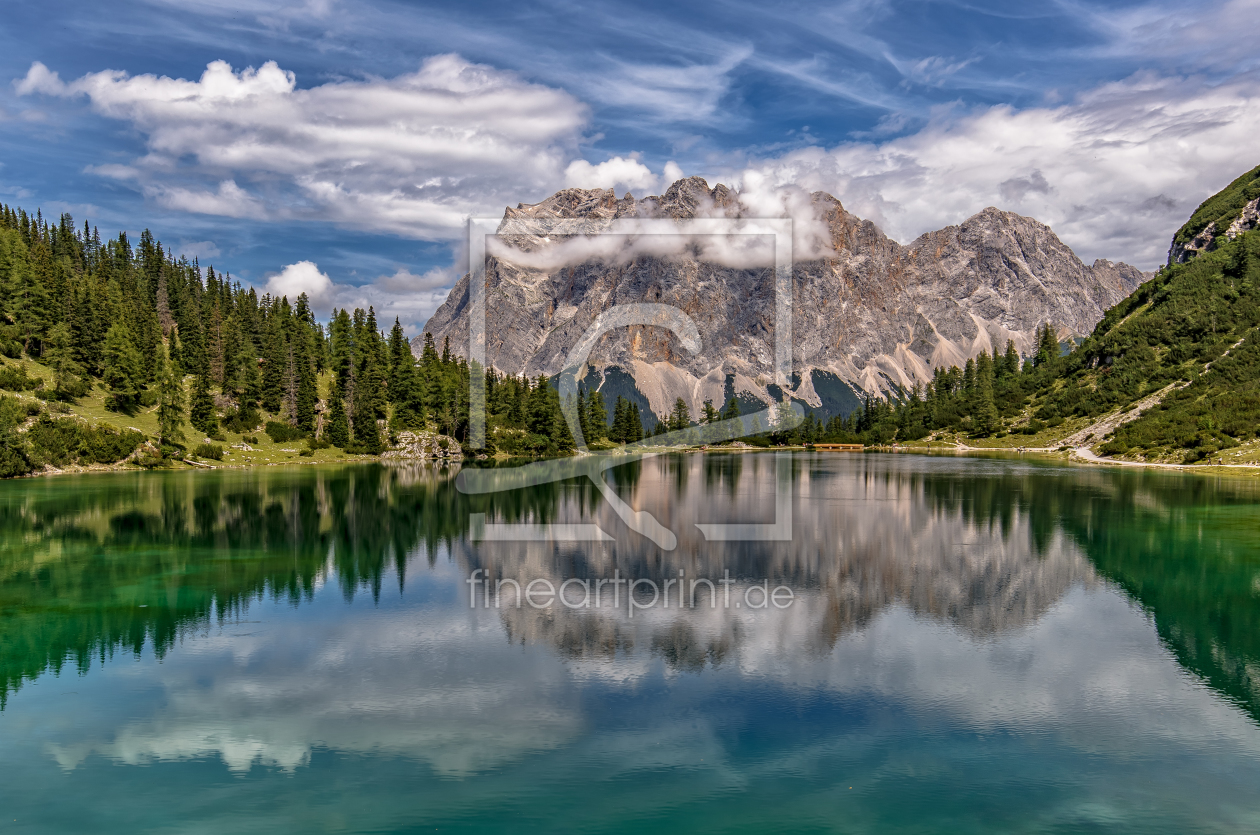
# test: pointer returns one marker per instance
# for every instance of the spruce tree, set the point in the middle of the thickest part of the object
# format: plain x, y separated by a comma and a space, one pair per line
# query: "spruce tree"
1047, 345
307, 396
680, 418
596, 417
337, 430
367, 436
170, 400
634, 423
620, 427
276, 364
710, 414
1011, 359
984, 411
59, 355
124, 368
201, 408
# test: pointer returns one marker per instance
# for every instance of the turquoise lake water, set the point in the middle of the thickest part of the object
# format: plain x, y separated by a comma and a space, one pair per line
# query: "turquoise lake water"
970, 645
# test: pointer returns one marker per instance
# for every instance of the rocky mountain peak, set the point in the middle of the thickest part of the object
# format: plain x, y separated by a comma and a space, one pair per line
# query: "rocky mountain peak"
870, 316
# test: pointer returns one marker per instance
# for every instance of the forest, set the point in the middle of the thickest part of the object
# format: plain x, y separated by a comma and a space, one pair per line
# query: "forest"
152, 331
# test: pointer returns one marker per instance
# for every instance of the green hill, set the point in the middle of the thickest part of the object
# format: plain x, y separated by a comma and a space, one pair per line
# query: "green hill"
1170, 374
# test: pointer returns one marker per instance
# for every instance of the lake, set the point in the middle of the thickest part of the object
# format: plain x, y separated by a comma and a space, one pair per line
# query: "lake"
818, 642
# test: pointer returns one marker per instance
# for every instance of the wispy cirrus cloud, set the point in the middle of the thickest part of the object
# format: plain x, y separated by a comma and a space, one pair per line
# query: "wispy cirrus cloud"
1114, 172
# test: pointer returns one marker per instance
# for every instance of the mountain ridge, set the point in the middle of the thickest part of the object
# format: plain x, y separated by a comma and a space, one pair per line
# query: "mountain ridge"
876, 315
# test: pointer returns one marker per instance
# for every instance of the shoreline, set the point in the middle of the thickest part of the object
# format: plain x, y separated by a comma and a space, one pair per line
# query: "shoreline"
1074, 455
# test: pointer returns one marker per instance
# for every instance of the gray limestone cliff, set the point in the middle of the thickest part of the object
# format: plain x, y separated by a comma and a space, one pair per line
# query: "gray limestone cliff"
868, 316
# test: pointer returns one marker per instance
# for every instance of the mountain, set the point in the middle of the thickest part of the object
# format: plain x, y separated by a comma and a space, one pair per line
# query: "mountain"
1179, 358
870, 315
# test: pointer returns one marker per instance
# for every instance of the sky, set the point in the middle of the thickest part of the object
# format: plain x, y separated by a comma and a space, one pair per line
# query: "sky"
338, 148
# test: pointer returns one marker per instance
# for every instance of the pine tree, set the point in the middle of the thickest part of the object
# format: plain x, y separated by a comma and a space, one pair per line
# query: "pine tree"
124, 368
984, 411
620, 428
307, 396
59, 355
276, 364
337, 431
170, 400
710, 413
367, 436
680, 418
1011, 359
596, 417
201, 409
634, 423
1047, 345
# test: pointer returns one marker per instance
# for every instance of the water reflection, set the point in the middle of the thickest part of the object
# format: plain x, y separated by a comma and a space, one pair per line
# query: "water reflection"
93, 566
973, 643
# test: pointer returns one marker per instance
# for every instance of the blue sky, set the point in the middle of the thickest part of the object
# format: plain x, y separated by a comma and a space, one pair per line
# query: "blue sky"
337, 147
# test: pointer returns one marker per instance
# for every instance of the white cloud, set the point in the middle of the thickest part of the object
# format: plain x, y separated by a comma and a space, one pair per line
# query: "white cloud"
405, 296
402, 295
302, 277
197, 249
1211, 36
1115, 172
230, 200
618, 172
413, 155
672, 93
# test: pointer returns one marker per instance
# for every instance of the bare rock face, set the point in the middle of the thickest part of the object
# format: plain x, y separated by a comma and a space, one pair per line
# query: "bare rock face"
1249, 219
421, 446
870, 316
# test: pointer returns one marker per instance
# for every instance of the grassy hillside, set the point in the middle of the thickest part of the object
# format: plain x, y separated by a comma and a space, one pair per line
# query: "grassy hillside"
1223, 207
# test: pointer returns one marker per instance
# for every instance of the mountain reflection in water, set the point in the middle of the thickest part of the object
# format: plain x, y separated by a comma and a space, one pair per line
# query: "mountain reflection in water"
93, 566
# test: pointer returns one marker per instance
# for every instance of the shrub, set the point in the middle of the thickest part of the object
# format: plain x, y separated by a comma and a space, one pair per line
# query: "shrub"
105, 444
13, 378
250, 439
14, 460
211, 451
317, 443
62, 441
283, 432
243, 419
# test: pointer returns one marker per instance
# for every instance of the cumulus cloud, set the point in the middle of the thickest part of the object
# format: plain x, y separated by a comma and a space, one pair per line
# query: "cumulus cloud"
617, 173
413, 155
401, 295
1114, 172
302, 277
